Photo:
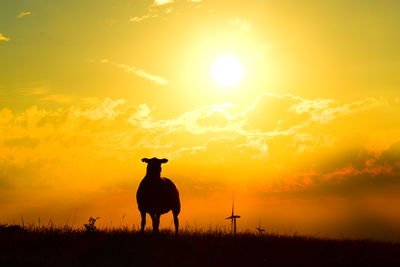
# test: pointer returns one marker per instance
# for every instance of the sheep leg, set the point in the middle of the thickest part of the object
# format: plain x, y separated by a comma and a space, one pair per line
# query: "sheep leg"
156, 222
176, 221
143, 224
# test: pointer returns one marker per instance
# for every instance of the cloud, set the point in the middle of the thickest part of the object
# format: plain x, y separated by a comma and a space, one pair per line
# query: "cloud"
289, 114
208, 119
24, 14
269, 138
346, 168
273, 113
57, 98
17, 175
162, 2
158, 7
4, 38
269, 127
391, 155
325, 110
21, 142
35, 91
139, 72
141, 18
142, 73
44, 95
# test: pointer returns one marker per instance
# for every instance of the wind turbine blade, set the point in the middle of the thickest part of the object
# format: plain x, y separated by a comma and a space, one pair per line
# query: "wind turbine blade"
233, 204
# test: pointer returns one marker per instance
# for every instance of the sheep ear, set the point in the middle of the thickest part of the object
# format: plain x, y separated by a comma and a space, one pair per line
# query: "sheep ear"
145, 160
164, 161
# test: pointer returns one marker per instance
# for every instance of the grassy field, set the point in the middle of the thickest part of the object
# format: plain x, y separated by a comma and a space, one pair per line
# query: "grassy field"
48, 246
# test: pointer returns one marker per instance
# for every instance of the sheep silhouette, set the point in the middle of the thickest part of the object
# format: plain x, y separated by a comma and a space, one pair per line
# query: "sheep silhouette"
157, 195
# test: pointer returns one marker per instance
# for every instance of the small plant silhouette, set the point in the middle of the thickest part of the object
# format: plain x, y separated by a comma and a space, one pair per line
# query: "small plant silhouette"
90, 227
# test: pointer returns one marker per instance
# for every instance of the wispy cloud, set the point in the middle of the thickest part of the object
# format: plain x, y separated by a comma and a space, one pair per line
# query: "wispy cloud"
4, 38
142, 73
139, 72
141, 18
44, 94
325, 110
158, 7
296, 112
57, 98
35, 91
162, 2
24, 14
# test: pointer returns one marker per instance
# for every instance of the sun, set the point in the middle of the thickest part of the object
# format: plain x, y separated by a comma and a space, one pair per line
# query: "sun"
227, 71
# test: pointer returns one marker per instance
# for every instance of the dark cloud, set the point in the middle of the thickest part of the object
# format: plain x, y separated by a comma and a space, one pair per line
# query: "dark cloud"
353, 155
354, 170
392, 155
18, 175
22, 142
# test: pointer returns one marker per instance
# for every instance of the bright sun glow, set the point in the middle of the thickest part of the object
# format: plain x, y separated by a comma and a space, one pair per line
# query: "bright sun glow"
227, 71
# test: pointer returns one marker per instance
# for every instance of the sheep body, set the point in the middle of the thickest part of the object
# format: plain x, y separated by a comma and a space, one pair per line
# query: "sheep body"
157, 195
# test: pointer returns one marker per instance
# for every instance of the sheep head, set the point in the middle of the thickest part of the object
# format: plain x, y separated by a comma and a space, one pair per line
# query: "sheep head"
154, 166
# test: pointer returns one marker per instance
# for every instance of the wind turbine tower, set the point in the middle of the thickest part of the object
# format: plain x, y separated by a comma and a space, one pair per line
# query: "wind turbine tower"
233, 217
259, 229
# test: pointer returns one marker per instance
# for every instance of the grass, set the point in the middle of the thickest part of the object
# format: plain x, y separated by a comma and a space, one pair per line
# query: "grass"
64, 246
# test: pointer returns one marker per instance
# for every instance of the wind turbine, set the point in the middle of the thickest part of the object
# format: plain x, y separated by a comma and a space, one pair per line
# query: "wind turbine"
259, 229
233, 217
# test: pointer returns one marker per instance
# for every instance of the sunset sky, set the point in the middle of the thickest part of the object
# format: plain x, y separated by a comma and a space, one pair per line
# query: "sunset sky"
307, 135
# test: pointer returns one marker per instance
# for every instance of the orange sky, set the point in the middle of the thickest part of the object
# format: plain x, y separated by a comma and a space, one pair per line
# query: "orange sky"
308, 140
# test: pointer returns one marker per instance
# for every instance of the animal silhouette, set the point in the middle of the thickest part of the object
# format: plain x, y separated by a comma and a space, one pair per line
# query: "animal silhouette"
157, 195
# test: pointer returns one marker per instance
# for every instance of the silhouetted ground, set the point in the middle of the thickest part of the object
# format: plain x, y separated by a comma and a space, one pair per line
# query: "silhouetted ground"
67, 247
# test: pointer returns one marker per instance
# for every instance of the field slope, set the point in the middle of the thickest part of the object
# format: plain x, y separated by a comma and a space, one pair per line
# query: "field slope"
67, 247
